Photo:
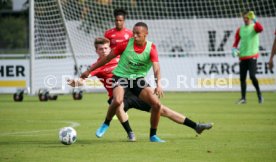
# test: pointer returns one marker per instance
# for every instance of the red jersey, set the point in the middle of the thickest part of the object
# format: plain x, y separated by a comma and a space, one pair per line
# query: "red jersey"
117, 36
104, 73
138, 49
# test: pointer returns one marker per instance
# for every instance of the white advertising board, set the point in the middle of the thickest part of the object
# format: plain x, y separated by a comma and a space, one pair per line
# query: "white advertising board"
14, 74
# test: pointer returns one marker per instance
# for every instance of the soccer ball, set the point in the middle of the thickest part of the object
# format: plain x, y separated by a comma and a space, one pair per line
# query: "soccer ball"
67, 135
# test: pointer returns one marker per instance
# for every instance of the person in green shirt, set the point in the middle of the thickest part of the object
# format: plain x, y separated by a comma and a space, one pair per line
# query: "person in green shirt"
104, 73
138, 55
248, 37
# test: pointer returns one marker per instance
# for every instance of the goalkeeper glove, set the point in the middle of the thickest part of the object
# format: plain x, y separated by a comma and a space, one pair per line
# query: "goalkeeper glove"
235, 52
251, 16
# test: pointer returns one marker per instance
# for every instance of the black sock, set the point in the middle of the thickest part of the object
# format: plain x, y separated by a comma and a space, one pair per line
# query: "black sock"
256, 85
107, 122
189, 123
126, 126
152, 132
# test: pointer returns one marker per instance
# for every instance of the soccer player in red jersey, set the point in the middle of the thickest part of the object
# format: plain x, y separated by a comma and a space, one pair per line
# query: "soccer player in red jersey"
119, 33
104, 73
137, 57
135, 61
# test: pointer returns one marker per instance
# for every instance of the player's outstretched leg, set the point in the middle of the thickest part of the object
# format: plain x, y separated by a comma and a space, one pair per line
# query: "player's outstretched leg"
200, 127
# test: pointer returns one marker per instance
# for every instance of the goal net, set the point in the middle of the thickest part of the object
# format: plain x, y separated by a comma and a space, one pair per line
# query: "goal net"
193, 38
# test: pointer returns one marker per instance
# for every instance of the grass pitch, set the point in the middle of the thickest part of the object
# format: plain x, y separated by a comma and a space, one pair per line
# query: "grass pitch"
29, 130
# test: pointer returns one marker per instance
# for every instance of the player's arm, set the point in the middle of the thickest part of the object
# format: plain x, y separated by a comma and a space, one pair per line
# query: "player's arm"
156, 70
98, 64
237, 38
258, 26
157, 76
273, 52
235, 51
80, 81
106, 35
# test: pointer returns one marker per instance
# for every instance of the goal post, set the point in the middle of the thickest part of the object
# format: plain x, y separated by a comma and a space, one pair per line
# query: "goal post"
52, 56
193, 38
31, 44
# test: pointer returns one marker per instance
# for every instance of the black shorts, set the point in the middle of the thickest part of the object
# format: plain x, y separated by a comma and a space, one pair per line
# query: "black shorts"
132, 101
133, 85
248, 65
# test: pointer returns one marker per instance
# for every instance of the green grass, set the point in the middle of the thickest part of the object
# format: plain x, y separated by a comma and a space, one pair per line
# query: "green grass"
29, 130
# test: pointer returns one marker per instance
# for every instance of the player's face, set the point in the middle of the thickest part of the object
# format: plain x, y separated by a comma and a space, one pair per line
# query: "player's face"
103, 49
246, 20
140, 33
119, 22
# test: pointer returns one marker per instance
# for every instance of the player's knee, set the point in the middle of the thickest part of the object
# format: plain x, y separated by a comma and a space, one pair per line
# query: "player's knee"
163, 112
117, 102
156, 106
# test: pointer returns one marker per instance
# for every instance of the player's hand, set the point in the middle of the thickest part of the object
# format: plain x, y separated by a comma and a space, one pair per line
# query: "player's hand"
85, 74
71, 82
251, 16
158, 91
75, 83
270, 64
235, 52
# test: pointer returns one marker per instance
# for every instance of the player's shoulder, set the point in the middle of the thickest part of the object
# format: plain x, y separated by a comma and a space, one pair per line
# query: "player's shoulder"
95, 62
127, 30
152, 44
110, 31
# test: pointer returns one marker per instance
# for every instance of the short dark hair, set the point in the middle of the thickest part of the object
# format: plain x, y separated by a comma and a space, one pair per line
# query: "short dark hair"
141, 24
100, 40
120, 12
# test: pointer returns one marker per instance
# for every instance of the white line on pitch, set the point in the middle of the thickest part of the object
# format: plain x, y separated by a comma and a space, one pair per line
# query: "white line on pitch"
31, 133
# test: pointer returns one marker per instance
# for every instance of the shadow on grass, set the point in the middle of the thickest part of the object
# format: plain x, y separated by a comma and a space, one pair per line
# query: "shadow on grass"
28, 142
